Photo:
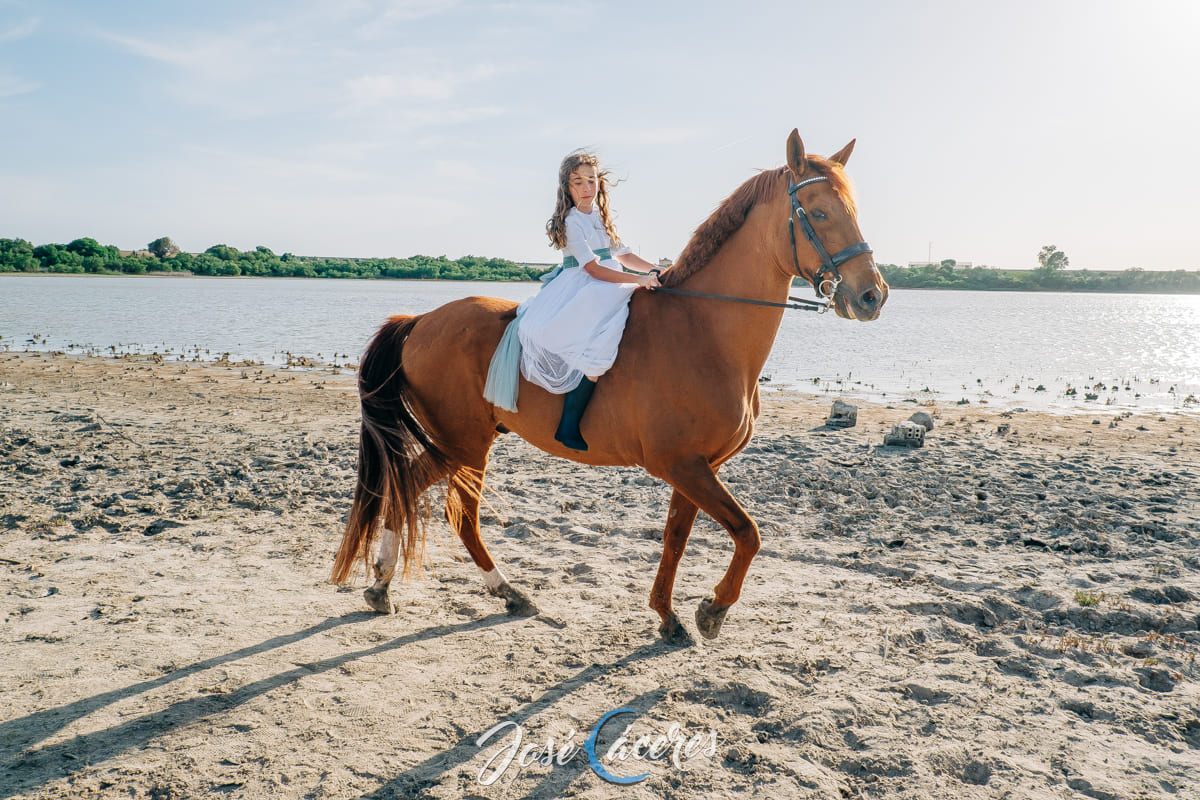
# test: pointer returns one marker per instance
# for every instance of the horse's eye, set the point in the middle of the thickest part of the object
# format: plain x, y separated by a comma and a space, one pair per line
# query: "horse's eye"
819, 215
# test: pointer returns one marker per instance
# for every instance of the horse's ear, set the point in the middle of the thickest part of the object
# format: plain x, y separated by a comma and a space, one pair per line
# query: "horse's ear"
796, 161
842, 156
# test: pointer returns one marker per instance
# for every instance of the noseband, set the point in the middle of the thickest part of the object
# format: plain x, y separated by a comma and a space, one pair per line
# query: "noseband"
827, 278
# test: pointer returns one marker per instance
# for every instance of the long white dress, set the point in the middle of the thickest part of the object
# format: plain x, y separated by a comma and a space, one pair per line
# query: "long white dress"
572, 327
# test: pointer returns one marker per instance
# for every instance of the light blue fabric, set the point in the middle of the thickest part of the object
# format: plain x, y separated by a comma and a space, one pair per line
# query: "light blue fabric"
504, 373
570, 262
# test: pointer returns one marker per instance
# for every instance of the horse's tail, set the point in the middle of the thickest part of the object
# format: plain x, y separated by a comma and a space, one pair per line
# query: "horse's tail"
397, 458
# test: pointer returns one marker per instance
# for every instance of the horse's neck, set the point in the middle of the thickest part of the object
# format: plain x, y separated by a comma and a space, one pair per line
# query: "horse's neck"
746, 267
748, 264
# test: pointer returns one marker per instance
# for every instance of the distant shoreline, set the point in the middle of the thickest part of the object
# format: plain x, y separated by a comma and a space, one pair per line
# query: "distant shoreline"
183, 274
88, 256
797, 286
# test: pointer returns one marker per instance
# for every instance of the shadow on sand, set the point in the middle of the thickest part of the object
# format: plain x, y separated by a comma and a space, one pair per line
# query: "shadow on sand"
416, 781
24, 766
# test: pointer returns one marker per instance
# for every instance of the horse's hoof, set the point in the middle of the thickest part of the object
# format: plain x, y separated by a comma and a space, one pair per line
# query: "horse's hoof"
516, 602
709, 621
673, 633
378, 601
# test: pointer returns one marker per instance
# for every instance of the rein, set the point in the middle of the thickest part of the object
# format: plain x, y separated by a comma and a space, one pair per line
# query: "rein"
824, 282
797, 304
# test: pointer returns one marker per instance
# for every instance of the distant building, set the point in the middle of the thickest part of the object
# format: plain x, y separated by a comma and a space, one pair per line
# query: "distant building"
957, 264
665, 262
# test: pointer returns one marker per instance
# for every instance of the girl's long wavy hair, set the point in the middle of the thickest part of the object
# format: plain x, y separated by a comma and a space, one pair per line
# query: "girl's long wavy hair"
556, 226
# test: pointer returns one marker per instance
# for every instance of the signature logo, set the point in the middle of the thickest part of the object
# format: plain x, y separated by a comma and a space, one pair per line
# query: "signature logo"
675, 744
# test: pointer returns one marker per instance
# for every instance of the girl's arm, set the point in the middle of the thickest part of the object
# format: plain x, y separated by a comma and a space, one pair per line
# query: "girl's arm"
636, 263
612, 276
578, 248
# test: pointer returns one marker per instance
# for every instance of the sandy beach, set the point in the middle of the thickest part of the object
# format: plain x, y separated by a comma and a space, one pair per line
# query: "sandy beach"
1011, 611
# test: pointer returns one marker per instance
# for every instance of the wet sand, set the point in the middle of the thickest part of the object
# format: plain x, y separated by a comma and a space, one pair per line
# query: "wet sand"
1010, 611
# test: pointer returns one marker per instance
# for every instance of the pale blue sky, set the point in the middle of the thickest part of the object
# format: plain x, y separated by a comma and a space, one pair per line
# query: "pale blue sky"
394, 127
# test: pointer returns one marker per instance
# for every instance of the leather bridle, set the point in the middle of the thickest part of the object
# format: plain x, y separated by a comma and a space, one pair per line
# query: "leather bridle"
826, 279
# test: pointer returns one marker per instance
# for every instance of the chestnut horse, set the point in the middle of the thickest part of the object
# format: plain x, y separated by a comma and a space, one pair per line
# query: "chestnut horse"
680, 400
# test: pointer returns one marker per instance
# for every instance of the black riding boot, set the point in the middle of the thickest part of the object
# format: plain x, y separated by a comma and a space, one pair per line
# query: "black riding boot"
573, 405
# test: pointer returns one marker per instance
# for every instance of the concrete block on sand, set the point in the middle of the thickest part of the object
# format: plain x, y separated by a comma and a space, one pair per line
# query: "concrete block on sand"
842, 415
905, 434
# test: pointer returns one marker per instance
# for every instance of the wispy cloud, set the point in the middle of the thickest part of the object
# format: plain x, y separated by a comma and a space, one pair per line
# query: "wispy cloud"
367, 90
10, 86
405, 10
370, 90
455, 116
649, 135
218, 56
297, 167
399, 12
252, 71
733, 143
20, 30
264, 69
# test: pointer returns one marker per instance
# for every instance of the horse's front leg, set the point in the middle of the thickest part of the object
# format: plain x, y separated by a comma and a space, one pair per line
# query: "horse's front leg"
680, 519
376, 595
700, 483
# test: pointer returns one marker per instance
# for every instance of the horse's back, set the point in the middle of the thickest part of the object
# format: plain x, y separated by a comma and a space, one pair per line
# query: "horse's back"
460, 330
631, 419
446, 360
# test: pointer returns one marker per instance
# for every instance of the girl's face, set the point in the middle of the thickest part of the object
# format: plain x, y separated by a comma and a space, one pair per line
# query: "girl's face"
584, 185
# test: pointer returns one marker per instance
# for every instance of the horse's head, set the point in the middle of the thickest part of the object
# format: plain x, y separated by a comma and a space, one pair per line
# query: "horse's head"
827, 248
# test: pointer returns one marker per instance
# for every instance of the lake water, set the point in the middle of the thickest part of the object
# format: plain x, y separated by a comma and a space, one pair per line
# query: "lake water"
1130, 351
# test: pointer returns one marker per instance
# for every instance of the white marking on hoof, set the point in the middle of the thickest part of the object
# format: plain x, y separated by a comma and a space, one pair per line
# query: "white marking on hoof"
494, 580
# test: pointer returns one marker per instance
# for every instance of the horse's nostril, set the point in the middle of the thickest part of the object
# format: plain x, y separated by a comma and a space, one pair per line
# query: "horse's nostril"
869, 299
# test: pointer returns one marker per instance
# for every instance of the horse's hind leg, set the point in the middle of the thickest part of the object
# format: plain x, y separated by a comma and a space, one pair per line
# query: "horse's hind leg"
467, 485
376, 594
680, 519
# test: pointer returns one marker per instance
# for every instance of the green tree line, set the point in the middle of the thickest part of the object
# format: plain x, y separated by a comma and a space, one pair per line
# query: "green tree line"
949, 276
86, 255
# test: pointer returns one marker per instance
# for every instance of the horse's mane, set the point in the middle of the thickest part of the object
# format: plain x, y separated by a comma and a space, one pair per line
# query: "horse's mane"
729, 216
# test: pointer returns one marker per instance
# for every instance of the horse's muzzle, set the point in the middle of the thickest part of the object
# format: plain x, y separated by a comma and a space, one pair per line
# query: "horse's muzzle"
868, 304
862, 304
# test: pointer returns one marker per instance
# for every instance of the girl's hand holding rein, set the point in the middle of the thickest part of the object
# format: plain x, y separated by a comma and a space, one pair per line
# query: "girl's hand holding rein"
600, 273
